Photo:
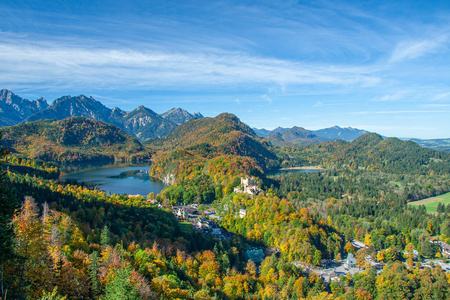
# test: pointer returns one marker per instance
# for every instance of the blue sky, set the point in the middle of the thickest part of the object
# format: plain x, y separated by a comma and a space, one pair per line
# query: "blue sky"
382, 66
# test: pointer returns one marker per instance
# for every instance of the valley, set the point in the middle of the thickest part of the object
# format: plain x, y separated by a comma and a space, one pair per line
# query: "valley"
222, 226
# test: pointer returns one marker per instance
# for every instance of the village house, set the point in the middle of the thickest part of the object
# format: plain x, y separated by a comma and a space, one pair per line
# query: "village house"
181, 213
358, 244
445, 248
350, 261
242, 213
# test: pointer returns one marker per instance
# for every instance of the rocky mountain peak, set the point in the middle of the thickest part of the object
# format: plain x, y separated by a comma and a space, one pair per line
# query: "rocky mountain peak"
179, 116
15, 109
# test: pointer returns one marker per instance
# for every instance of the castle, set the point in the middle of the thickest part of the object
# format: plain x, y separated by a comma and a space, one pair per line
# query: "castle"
248, 185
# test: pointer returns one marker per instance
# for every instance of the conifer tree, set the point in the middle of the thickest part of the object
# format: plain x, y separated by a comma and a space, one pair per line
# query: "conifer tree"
105, 237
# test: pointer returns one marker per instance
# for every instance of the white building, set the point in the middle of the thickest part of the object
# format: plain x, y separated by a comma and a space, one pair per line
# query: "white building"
351, 261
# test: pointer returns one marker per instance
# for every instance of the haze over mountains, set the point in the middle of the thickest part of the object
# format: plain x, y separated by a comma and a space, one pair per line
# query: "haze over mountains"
301, 136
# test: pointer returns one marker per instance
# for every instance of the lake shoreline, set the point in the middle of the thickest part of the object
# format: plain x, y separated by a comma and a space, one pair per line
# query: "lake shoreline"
317, 168
119, 179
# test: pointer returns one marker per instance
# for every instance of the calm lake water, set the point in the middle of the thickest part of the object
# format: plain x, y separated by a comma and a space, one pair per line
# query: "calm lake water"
289, 171
131, 180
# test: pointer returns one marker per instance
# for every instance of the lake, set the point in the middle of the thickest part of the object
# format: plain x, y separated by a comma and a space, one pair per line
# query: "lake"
131, 180
286, 171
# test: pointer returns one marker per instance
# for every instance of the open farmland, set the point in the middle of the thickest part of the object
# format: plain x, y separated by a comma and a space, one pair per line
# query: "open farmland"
432, 202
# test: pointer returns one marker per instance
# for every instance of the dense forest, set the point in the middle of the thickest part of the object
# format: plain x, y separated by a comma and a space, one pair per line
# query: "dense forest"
64, 240
72, 140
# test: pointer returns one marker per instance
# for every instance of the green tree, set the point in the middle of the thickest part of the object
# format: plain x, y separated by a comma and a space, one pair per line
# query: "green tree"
151, 195
93, 274
121, 286
105, 237
8, 204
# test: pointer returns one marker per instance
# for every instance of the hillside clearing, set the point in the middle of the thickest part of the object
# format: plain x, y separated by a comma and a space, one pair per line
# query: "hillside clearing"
432, 202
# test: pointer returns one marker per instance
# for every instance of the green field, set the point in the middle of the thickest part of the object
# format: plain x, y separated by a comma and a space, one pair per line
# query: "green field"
431, 203
186, 227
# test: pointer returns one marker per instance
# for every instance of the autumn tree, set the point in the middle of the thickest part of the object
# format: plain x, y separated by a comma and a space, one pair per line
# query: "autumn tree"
35, 272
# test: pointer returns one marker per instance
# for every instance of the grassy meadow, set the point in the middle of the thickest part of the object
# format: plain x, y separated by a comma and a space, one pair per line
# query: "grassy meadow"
432, 202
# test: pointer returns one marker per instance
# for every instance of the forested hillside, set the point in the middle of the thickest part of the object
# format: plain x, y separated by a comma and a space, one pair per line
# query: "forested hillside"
68, 240
72, 140
220, 150
371, 152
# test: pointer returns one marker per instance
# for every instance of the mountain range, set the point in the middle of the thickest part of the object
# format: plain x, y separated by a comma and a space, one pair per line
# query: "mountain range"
300, 136
145, 124
141, 122
14, 109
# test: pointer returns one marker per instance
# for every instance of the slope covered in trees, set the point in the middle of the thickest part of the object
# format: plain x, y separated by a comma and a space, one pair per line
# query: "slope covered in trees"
371, 152
224, 134
84, 244
214, 151
364, 191
295, 136
72, 140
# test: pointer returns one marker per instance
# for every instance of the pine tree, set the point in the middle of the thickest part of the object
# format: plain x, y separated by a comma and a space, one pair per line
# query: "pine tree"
105, 237
93, 274
121, 286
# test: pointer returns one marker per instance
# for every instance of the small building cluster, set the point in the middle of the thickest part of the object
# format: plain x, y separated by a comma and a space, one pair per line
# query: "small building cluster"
185, 212
445, 248
248, 186
206, 225
201, 221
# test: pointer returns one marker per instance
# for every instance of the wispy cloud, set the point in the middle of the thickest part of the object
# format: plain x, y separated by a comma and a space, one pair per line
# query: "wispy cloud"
321, 104
408, 50
392, 97
436, 105
389, 112
56, 65
442, 96
377, 128
267, 98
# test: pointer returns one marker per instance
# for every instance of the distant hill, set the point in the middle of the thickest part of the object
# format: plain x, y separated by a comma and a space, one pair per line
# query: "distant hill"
300, 136
141, 122
372, 152
72, 140
338, 133
261, 132
180, 116
435, 144
14, 109
292, 136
